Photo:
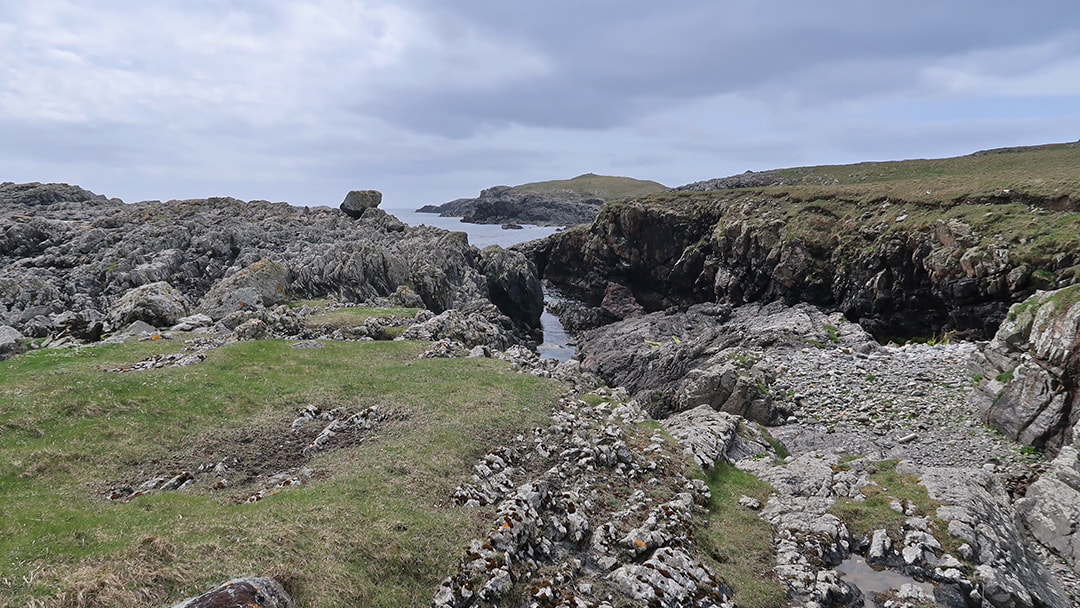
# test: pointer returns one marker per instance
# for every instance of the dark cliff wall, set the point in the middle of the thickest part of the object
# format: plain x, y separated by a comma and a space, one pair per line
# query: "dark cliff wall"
900, 269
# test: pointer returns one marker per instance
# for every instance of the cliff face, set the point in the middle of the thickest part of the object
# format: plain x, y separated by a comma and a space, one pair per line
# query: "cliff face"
66, 250
898, 268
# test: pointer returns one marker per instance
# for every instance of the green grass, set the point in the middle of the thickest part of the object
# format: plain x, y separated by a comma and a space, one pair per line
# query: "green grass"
874, 513
604, 187
1048, 170
738, 542
375, 528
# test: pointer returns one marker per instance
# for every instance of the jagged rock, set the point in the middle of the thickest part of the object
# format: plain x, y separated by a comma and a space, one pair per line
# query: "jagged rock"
86, 325
193, 322
512, 284
710, 436
1010, 574
261, 285
677, 360
670, 577
64, 249
1031, 371
577, 317
136, 328
158, 304
11, 342
253, 592
358, 201
738, 248
1051, 507
479, 326
619, 302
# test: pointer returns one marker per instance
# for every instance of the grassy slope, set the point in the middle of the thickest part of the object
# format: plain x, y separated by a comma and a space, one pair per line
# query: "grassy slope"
1050, 170
600, 186
376, 530
843, 206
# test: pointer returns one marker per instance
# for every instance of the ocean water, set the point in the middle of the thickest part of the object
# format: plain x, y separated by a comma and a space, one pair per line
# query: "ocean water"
556, 343
480, 235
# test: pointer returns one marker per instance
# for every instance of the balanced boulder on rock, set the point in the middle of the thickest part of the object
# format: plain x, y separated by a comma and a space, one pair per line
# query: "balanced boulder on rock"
358, 201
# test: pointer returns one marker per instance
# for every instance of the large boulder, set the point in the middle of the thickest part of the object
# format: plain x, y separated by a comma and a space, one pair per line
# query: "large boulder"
159, 304
259, 286
1030, 388
11, 342
358, 201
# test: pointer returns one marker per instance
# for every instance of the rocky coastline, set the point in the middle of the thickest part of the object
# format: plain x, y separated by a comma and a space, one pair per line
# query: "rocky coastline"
557, 203
70, 257
710, 339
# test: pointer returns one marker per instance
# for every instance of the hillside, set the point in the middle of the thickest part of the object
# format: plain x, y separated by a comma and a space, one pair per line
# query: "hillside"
550, 203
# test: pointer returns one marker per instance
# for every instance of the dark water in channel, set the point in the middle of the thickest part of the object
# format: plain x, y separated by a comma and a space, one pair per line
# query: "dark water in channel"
556, 342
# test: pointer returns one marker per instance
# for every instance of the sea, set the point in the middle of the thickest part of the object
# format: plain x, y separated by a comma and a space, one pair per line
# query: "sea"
556, 343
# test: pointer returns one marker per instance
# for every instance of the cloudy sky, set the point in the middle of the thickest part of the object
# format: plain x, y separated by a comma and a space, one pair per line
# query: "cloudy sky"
427, 101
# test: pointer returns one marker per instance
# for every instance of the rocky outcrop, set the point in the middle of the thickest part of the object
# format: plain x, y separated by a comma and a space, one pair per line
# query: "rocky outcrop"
506, 204
1051, 507
551, 203
261, 285
898, 269
66, 251
610, 524
358, 201
674, 361
473, 326
978, 512
1030, 370
158, 304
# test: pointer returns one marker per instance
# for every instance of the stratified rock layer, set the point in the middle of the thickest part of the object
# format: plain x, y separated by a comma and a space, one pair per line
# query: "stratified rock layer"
1030, 387
898, 270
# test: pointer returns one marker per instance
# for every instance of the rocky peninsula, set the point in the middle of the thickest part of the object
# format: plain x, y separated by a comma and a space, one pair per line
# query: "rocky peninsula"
551, 203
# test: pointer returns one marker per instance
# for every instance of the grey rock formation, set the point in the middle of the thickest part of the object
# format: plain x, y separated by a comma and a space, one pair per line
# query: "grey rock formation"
710, 436
63, 249
259, 286
506, 205
737, 248
1031, 371
475, 326
359, 201
253, 592
978, 512
11, 342
675, 361
1051, 507
158, 304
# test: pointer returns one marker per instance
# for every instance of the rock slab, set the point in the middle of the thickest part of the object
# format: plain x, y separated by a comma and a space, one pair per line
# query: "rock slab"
250, 592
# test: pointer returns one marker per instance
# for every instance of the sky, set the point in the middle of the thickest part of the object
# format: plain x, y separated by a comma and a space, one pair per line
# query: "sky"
428, 101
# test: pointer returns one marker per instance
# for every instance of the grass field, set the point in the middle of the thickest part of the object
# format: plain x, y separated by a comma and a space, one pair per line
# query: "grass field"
373, 527
605, 187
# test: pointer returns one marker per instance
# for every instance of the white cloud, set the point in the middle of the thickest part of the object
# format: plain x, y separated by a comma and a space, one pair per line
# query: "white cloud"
1049, 68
